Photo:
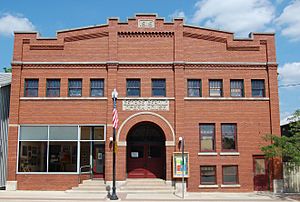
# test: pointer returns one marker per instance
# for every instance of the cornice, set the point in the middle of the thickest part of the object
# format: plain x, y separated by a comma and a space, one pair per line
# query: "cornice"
47, 47
145, 34
141, 64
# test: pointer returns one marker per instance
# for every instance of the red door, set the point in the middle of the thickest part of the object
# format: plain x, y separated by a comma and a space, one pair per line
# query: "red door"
260, 173
146, 151
145, 161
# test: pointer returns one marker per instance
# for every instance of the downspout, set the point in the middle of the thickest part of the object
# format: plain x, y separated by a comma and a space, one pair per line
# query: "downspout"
270, 175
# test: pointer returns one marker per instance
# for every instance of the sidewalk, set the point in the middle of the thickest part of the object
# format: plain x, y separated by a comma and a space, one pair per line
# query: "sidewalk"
24, 196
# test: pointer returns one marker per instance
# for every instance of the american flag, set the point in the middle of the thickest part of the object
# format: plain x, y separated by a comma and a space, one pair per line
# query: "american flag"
115, 118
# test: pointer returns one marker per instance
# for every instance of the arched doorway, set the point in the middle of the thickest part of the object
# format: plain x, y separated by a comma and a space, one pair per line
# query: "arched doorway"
146, 152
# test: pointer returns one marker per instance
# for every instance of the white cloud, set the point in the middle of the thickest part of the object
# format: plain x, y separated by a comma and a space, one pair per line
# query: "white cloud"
289, 20
237, 16
10, 23
290, 73
178, 14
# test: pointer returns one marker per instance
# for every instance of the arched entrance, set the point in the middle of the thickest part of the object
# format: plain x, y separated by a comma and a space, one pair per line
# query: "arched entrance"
146, 152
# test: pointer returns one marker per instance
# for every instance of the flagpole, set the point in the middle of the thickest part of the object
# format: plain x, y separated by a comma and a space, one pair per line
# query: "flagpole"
114, 194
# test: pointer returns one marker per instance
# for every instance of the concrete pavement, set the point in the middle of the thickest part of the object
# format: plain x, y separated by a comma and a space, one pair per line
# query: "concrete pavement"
45, 196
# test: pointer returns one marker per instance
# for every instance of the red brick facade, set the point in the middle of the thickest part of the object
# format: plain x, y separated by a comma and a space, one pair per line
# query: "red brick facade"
172, 51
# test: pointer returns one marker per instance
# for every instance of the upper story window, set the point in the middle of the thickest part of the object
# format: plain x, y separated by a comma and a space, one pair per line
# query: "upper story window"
237, 88
215, 88
53, 88
229, 137
194, 87
75, 87
159, 87
97, 87
207, 137
133, 87
31, 87
258, 88
208, 175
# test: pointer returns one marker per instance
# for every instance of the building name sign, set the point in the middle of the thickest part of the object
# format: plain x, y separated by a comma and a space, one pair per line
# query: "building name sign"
145, 105
146, 24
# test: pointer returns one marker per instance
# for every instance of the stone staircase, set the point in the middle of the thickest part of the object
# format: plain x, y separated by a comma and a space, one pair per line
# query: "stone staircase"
89, 187
131, 186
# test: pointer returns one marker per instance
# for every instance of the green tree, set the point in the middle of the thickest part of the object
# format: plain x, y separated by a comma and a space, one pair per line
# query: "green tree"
7, 69
286, 147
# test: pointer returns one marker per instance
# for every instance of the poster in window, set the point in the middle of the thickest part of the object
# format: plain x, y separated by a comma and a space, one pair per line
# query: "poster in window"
179, 166
34, 151
134, 154
24, 151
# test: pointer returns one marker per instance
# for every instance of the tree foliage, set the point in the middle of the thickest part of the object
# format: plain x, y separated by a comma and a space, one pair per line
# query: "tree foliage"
7, 69
287, 147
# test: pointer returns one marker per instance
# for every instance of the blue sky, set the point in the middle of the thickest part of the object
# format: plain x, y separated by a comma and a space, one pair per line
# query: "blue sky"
241, 17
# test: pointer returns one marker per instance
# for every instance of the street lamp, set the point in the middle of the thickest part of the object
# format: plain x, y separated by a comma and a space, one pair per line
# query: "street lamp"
114, 96
181, 140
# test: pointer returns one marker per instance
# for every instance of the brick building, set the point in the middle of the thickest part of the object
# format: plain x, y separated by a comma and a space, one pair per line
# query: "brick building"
174, 80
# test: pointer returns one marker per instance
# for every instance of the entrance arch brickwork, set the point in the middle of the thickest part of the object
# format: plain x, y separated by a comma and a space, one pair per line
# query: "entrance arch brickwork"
130, 122
159, 120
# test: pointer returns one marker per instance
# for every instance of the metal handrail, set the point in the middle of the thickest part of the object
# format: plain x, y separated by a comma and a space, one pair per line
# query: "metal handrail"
80, 172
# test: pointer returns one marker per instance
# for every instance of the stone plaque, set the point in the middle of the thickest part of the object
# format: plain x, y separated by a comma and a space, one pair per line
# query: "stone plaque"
146, 24
145, 105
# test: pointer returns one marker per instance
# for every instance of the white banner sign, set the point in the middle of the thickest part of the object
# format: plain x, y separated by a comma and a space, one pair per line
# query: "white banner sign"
145, 105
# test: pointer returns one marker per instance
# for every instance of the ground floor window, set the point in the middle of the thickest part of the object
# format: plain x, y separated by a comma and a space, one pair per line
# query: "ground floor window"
60, 148
208, 175
63, 156
230, 175
32, 156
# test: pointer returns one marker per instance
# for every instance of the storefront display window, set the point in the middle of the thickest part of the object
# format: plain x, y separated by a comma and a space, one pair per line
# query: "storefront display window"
56, 148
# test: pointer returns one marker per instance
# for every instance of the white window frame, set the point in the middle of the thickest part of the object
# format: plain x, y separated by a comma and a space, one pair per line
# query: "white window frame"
48, 141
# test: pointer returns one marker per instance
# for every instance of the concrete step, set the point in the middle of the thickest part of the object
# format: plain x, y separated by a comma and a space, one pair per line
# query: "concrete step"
132, 186
145, 182
156, 191
148, 187
93, 182
86, 191
92, 185
89, 188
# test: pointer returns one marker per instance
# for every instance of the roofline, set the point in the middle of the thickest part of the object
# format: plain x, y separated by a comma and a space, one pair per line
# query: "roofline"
5, 84
146, 14
26, 32
80, 28
194, 26
143, 14
263, 33
251, 37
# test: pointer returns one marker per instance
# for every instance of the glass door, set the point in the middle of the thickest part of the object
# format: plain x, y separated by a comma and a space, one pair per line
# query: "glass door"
92, 150
98, 158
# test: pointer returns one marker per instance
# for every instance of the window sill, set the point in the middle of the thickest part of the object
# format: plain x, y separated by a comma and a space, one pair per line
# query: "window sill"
229, 153
228, 98
47, 173
230, 185
207, 153
147, 98
209, 186
63, 98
